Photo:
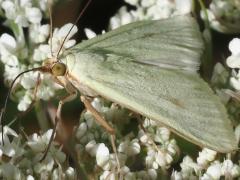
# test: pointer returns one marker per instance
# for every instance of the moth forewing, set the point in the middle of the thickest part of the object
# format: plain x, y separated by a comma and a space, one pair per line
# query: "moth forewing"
151, 68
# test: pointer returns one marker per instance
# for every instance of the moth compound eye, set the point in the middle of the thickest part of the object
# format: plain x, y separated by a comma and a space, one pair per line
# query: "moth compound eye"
59, 69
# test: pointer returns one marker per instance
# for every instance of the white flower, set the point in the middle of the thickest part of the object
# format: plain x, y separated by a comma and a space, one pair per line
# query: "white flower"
147, 3
46, 165
8, 44
29, 177
235, 171
143, 137
108, 175
149, 123
24, 102
176, 175
149, 174
123, 17
22, 12
70, 173
130, 148
10, 171
43, 4
162, 9
7, 132
103, 156
42, 52
89, 33
233, 61
183, 6
10, 148
214, 171
152, 173
97, 104
132, 2
82, 129
8, 50
46, 88
234, 46
39, 33
162, 135
92, 148
205, 157
226, 168
235, 82
34, 15
124, 171
60, 34
189, 167
150, 9
224, 16
29, 80
11, 72
157, 158
39, 143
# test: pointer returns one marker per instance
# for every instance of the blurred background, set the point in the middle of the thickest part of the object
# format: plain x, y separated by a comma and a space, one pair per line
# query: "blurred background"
96, 18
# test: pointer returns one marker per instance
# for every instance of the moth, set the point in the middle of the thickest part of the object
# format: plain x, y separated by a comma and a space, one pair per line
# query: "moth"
151, 68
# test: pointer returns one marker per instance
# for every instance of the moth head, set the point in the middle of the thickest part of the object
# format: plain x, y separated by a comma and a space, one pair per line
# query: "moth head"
59, 69
49, 61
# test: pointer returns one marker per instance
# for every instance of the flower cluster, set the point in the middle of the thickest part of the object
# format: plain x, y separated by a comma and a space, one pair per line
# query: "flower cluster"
150, 9
224, 15
22, 159
22, 51
151, 148
151, 142
206, 167
146, 150
233, 62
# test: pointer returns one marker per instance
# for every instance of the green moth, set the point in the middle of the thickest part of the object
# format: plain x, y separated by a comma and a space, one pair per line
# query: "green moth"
150, 67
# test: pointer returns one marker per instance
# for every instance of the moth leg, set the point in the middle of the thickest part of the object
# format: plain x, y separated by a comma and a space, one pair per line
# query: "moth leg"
112, 137
72, 95
100, 119
102, 122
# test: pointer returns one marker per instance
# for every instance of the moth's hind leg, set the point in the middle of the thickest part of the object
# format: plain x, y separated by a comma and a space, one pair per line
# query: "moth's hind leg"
72, 95
101, 120
99, 117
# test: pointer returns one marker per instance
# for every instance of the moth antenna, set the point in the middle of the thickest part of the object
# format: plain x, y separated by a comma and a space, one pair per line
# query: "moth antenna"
51, 27
79, 16
3, 110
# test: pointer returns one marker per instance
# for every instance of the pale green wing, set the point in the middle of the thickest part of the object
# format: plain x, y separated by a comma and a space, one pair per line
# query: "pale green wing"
145, 67
171, 43
181, 101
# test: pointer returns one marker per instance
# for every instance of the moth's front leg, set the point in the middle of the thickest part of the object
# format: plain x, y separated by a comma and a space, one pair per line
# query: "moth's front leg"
72, 95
